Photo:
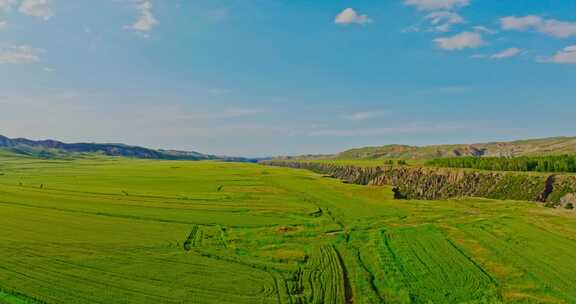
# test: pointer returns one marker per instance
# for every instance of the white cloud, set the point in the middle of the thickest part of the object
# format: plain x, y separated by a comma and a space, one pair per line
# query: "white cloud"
558, 29
552, 27
146, 21
350, 16
3, 24
36, 8
507, 53
520, 23
437, 4
460, 41
443, 20
567, 55
21, 54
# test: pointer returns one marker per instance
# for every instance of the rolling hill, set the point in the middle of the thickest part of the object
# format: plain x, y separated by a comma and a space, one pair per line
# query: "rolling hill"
54, 149
531, 147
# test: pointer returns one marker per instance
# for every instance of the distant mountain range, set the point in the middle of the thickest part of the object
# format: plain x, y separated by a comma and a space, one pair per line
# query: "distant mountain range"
53, 148
531, 147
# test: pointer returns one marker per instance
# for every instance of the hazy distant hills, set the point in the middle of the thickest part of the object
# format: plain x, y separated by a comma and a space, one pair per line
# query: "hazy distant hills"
531, 147
53, 148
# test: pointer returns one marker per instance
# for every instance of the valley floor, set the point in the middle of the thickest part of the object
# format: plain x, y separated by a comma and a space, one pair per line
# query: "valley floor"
106, 230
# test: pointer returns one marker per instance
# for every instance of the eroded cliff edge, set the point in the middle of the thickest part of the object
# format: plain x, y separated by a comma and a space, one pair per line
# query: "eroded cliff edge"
443, 183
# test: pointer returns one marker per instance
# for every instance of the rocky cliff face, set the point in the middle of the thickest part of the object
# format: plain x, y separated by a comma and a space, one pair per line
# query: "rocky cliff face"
443, 183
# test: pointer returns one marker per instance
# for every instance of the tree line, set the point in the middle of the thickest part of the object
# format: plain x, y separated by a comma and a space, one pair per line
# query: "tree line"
560, 163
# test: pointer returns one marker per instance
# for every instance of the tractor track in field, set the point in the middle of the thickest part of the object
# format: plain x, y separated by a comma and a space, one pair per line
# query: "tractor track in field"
348, 295
190, 241
275, 274
324, 279
371, 276
473, 262
323, 210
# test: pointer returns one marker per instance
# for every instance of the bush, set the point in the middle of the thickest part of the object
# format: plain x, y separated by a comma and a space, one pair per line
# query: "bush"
569, 206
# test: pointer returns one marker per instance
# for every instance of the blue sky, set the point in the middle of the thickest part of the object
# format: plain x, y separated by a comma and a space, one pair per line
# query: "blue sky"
269, 77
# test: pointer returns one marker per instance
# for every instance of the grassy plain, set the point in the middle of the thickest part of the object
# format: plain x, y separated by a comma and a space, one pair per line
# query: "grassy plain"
105, 230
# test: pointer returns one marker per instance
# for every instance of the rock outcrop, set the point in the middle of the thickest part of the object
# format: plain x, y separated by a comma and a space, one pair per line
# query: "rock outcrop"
443, 183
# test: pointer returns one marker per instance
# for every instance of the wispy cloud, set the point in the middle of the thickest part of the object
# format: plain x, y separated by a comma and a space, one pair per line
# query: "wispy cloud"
504, 54
437, 4
226, 113
350, 16
442, 21
411, 29
19, 54
460, 41
181, 114
383, 131
483, 29
224, 130
360, 116
507, 53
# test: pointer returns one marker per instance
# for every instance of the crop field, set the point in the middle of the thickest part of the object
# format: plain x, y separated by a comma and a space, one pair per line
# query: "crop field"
114, 230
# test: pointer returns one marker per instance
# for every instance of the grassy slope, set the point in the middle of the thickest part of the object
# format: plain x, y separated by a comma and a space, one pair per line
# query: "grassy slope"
135, 231
533, 147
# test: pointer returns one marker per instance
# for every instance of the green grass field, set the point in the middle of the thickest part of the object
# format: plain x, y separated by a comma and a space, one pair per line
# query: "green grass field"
105, 230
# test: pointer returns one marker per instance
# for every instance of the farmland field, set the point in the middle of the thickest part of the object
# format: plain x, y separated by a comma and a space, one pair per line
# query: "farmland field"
114, 230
